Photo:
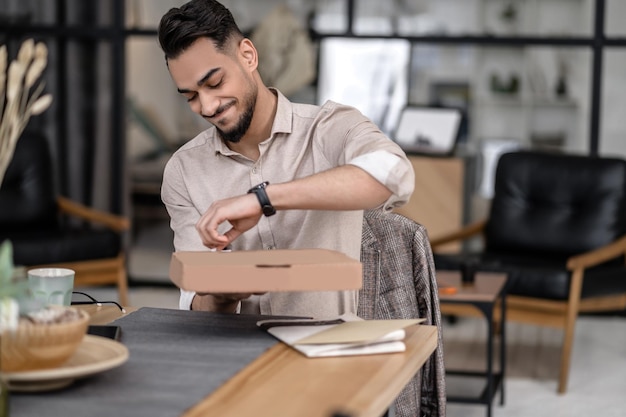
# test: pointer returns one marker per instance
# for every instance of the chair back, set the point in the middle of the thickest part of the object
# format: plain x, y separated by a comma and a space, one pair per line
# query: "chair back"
27, 196
550, 204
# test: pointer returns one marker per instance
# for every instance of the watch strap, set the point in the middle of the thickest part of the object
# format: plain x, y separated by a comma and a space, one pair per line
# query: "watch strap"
266, 206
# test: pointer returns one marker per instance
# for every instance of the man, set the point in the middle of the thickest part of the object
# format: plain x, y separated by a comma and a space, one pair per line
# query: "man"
268, 173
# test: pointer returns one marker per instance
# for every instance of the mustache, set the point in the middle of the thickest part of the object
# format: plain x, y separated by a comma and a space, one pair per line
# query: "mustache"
219, 110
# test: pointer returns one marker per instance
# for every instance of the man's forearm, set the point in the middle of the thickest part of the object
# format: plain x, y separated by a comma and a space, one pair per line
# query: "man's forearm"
208, 302
343, 188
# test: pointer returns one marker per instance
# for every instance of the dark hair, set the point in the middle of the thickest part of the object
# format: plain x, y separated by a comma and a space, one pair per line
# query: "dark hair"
180, 27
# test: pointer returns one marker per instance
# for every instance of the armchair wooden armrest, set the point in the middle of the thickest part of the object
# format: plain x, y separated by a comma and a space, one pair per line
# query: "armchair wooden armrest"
112, 221
465, 232
597, 256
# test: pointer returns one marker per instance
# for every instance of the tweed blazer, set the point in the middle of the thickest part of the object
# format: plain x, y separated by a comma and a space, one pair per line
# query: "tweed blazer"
399, 283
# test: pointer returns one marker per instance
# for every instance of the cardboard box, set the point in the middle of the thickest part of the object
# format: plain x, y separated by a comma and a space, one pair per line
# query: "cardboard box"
266, 270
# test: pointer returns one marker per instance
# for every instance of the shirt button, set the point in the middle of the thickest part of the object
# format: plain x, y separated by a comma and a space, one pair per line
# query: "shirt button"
254, 170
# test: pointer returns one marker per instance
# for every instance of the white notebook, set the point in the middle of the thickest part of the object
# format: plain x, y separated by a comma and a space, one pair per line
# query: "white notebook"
344, 336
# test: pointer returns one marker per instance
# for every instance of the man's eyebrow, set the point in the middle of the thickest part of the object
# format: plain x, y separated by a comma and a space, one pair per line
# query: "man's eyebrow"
201, 80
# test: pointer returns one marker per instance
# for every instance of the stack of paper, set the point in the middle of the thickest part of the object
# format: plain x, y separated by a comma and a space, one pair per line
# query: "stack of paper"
347, 335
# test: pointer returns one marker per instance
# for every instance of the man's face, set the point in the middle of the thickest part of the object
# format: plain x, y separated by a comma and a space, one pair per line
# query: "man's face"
218, 86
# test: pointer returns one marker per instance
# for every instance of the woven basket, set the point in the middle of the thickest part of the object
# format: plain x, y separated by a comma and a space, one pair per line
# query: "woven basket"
41, 346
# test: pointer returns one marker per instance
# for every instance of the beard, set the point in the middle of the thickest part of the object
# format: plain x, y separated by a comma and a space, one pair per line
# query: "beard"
235, 134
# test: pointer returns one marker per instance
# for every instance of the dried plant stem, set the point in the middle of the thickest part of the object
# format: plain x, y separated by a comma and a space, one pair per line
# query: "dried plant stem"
3, 76
18, 99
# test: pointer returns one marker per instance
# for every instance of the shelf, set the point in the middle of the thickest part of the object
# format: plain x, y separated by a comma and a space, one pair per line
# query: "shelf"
615, 41
513, 101
104, 32
76, 31
484, 40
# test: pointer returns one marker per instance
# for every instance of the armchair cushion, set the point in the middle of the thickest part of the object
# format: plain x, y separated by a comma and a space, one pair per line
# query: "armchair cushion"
539, 277
545, 278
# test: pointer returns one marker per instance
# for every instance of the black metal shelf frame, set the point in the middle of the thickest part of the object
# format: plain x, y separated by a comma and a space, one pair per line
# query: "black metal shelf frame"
117, 35
597, 42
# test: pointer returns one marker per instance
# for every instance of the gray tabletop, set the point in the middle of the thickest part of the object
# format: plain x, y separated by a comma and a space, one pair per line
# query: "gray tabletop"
176, 359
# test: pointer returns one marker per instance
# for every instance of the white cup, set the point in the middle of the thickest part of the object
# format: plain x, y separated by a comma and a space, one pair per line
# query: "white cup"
52, 286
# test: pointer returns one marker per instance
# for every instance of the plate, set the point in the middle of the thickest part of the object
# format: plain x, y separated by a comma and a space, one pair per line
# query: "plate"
94, 355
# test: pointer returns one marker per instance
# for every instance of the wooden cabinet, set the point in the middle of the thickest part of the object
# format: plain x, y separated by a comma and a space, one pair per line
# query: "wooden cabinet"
437, 202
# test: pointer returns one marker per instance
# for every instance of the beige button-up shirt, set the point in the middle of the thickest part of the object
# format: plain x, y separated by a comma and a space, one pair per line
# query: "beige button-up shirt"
305, 139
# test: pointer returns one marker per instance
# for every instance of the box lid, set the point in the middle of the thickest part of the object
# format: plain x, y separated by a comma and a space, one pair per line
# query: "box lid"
266, 270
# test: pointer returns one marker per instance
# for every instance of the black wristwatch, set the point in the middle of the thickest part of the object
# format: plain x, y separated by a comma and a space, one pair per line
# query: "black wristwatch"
266, 207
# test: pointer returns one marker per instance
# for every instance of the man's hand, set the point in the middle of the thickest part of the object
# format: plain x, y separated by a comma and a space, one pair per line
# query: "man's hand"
220, 303
242, 212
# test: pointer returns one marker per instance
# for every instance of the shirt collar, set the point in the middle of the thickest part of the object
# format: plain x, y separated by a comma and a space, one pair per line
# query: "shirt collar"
284, 114
283, 123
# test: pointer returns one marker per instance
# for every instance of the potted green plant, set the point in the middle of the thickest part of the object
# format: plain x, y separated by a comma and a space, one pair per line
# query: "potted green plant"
11, 290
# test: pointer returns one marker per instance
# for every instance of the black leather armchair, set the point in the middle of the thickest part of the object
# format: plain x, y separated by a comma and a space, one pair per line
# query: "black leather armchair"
49, 230
557, 226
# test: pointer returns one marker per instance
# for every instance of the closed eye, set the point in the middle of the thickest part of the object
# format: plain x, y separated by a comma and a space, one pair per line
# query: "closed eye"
215, 85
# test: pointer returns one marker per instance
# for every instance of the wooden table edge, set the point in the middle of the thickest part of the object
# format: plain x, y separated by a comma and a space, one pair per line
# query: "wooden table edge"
101, 315
372, 397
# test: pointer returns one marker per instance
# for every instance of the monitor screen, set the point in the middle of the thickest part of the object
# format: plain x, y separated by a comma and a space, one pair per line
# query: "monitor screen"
431, 130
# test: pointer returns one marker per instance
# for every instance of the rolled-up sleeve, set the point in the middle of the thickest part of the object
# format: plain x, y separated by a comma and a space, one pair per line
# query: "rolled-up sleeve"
391, 170
348, 137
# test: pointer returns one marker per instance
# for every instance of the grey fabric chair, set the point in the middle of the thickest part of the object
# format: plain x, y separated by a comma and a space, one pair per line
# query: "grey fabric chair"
399, 283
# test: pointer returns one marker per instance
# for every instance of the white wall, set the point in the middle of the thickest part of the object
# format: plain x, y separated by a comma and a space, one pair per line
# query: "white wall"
613, 123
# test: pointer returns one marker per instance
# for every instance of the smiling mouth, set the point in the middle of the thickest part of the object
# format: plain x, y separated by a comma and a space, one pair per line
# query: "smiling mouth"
221, 110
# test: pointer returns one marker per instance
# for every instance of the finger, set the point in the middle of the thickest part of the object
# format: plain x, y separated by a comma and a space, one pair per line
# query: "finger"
232, 234
201, 229
211, 226
209, 234
220, 243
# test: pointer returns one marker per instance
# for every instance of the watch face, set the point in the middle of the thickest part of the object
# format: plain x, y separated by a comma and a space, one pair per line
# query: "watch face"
268, 210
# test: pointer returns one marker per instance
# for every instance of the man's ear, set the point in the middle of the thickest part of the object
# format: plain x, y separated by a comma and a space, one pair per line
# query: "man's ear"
248, 54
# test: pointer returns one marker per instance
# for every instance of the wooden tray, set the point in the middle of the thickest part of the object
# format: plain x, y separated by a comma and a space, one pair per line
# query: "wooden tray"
94, 355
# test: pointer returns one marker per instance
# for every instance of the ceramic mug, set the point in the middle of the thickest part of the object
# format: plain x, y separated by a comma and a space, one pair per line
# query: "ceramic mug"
52, 286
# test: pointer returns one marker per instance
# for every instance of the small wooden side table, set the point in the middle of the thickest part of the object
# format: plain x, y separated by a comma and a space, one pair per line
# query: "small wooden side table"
482, 294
